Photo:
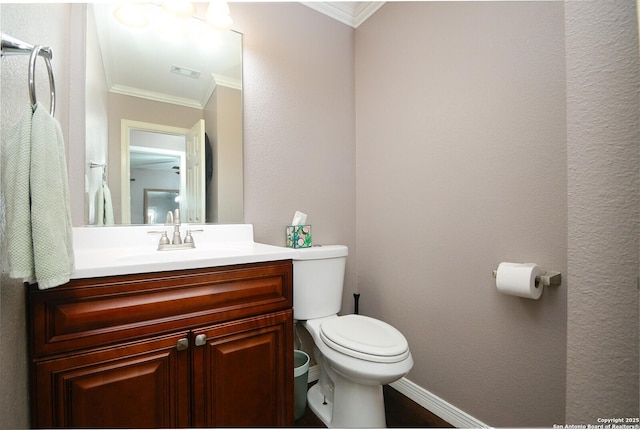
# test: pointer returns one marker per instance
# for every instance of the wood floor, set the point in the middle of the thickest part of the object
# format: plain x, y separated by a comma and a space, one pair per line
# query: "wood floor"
401, 412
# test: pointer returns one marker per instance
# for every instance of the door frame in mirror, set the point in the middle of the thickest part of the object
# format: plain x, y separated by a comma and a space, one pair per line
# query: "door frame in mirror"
126, 126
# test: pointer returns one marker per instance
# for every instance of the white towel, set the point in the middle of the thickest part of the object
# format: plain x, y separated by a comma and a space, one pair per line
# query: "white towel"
99, 212
104, 206
108, 206
36, 197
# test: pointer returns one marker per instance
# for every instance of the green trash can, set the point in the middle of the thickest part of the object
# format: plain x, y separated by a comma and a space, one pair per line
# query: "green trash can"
301, 378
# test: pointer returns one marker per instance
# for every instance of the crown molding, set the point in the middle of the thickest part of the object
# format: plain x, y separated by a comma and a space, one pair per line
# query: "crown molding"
155, 96
350, 13
180, 101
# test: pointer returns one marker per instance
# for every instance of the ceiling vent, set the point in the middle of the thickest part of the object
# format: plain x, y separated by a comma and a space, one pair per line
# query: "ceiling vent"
183, 71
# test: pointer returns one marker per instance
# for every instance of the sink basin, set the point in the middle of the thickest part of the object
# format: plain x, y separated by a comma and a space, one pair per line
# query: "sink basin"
106, 251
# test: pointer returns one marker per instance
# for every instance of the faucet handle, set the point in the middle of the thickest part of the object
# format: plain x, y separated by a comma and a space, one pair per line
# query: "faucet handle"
188, 238
164, 239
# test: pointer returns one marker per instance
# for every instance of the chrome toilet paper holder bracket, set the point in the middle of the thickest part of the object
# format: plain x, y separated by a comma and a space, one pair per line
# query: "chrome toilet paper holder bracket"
547, 279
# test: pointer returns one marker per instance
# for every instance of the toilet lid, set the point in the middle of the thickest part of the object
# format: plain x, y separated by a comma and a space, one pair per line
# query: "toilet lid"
366, 338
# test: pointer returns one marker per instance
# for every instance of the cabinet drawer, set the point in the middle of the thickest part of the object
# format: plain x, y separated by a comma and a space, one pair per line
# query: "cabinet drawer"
99, 311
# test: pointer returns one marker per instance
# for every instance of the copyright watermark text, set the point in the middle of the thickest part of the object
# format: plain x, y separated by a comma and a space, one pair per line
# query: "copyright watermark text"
605, 423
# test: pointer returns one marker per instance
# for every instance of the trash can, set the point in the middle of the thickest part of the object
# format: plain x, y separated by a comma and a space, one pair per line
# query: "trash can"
301, 378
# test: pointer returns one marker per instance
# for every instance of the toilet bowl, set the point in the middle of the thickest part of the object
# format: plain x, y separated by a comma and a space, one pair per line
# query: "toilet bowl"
356, 354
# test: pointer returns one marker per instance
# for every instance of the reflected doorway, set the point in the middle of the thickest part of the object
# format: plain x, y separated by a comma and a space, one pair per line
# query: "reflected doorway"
162, 157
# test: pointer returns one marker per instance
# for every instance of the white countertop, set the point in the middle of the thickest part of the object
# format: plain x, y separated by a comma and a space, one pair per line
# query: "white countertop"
121, 250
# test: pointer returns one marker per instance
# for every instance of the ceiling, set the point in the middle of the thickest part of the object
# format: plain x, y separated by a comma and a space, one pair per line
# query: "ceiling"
347, 12
164, 67
138, 63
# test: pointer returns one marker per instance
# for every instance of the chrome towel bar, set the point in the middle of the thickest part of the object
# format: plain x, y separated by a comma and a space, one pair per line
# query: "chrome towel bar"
12, 46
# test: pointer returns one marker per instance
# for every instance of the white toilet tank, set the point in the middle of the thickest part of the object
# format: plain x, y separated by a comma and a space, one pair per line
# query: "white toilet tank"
318, 280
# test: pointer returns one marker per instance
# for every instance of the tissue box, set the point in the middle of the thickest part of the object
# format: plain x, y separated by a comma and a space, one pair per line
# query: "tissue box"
298, 236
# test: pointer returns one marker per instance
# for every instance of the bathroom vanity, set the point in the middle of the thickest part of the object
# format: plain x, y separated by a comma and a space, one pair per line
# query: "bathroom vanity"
205, 346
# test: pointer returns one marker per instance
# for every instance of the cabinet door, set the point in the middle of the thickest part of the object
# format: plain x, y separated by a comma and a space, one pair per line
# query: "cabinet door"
137, 385
243, 373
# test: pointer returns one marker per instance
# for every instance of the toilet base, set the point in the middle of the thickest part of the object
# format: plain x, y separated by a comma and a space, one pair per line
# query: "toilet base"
317, 404
357, 406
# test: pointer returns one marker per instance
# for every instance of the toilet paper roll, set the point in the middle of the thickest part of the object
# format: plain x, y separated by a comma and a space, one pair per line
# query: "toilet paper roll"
519, 280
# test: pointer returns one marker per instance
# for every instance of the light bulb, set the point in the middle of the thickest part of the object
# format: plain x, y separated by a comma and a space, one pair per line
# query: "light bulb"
218, 15
132, 15
179, 8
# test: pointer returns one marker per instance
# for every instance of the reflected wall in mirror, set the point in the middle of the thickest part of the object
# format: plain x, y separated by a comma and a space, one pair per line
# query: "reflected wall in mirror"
158, 203
139, 76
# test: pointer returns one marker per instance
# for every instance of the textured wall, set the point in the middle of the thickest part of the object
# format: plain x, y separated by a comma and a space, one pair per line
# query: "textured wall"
461, 164
604, 195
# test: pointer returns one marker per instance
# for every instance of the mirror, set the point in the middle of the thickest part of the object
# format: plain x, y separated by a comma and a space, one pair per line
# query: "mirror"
150, 81
157, 203
156, 159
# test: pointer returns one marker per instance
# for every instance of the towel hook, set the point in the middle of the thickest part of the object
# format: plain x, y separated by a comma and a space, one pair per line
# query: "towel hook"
32, 78
93, 164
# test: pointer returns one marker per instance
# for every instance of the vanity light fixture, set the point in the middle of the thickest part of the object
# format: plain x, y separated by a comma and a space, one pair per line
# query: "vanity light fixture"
218, 15
179, 8
132, 14
177, 20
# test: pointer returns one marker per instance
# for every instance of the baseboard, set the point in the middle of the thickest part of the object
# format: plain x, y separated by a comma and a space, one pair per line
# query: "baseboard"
427, 400
436, 405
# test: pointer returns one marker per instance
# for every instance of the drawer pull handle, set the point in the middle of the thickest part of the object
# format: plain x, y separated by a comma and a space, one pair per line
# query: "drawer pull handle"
201, 339
183, 344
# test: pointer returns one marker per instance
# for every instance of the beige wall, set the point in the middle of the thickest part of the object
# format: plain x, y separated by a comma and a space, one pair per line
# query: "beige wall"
467, 175
461, 164
223, 117
299, 124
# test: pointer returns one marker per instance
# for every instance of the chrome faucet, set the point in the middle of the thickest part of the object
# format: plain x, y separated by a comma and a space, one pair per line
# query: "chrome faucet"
173, 218
177, 240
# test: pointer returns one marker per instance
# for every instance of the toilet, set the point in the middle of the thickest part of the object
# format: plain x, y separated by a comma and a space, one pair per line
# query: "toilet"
356, 354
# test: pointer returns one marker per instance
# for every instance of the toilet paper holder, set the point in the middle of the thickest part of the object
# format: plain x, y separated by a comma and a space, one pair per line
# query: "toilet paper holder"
547, 279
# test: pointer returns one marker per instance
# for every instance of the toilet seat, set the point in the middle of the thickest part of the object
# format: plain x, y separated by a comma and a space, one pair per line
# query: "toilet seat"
365, 338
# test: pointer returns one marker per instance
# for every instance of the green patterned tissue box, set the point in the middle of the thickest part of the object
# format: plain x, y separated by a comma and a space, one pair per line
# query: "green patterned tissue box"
298, 236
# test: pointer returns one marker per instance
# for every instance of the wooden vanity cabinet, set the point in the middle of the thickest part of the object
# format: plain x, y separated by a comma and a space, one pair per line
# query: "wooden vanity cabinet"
194, 348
